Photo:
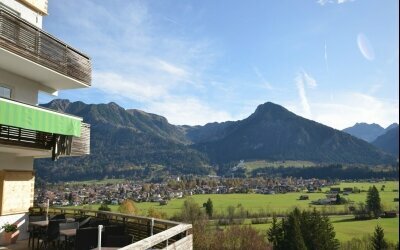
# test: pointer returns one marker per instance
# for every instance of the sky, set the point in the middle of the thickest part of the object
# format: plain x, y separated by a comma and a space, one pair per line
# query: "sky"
194, 62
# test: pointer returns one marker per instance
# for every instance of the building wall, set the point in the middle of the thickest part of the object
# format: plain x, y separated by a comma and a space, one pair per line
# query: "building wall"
22, 89
10, 162
21, 220
24, 12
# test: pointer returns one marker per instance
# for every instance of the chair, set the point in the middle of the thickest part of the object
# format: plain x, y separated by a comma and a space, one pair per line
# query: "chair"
96, 222
118, 240
84, 223
86, 238
112, 230
68, 225
58, 217
51, 235
34, 231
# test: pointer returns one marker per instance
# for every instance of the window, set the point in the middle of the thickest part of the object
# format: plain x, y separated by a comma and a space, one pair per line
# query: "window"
5, 92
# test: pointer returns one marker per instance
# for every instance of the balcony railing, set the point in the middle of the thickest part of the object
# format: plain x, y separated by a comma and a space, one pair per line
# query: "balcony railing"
32, 43
148, 233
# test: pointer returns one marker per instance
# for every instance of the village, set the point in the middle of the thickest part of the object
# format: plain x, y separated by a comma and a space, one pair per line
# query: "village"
77, 194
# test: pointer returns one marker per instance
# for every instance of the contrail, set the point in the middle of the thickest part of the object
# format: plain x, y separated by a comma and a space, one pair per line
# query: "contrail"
326, 58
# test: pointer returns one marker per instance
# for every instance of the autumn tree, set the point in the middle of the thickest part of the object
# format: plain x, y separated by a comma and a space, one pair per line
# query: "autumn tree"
128, 207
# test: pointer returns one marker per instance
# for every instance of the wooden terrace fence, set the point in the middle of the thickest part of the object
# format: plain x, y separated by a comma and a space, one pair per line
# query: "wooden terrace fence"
166, 234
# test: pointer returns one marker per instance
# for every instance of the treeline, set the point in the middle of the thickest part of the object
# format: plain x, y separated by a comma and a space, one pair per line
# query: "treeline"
334, 171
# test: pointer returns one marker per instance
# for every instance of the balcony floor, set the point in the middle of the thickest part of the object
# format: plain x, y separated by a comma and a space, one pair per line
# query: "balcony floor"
20, 245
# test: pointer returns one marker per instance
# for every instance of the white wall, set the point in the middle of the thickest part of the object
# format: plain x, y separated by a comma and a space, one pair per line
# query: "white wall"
22, 89
21, 220
25, 12
10, 162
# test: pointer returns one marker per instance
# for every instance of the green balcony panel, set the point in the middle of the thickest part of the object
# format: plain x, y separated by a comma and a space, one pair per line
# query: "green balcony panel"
35, 118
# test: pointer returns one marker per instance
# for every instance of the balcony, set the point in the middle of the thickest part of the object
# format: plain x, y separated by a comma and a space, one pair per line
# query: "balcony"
28, 130
34, 54
148, 233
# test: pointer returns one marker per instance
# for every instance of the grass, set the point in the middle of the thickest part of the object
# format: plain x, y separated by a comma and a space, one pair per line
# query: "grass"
346, 228
252, 165
281, 203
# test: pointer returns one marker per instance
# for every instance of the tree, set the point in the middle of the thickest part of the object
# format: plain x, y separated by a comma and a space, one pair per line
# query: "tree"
152, 212
209, 208
378, 241
128, 207
104, 207
275, 233
374, 201
292, 237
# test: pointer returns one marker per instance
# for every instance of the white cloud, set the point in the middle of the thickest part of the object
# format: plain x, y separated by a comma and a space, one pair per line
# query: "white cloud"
347, 109
302, 81
264, 82
326, 57
323, 2
187, 111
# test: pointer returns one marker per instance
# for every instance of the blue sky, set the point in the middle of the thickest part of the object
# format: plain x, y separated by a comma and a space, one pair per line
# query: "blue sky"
195, 62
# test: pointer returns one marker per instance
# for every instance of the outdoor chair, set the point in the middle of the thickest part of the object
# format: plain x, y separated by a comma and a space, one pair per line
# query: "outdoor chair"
58, 217
34, 231
50, 235
84, 222
86, 238
96, 222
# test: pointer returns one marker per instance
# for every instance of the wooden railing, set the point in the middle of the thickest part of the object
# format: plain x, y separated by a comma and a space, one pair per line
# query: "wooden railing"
41, 140
30, 42
147, 232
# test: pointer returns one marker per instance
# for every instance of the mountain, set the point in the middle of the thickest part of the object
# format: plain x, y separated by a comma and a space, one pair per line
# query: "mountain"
274, 133
393, 125
124, 143
389, 142
365, 131
134, 143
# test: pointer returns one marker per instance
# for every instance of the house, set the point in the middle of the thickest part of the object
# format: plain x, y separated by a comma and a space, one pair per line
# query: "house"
303, 197
334, 190
33, 61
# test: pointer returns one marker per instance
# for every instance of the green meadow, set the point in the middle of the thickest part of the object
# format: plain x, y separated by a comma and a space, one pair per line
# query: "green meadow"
345, 227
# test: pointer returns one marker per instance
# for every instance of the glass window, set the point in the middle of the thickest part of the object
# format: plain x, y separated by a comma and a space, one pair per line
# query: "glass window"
5, 92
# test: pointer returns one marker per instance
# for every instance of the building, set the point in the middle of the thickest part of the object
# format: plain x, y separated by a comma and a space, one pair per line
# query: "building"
31, 60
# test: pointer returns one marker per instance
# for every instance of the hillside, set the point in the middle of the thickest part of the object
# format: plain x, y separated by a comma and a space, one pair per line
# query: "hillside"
138, 144
365, 131
123, 143
274, 133
389, 142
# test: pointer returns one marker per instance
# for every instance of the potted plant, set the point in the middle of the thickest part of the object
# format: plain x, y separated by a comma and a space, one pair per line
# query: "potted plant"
11, 233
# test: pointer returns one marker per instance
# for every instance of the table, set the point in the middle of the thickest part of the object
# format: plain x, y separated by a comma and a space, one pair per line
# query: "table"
67, 233
45, 223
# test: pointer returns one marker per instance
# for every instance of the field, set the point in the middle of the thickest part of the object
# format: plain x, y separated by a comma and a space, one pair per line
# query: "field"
281, 203
252, 165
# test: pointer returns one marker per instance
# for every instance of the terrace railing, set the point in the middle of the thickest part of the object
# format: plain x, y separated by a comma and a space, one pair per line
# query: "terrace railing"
32, 43
148, 233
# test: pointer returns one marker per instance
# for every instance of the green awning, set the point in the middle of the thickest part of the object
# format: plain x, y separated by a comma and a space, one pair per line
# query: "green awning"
35, 118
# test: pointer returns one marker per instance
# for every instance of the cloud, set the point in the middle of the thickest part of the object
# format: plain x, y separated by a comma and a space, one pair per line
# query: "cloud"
187, 111
264, 83
365, 47
347, 109
323, 2
326, 57
302, 81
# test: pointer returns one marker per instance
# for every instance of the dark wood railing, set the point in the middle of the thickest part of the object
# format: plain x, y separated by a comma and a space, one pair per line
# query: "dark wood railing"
147, 232
30, 42
41, 140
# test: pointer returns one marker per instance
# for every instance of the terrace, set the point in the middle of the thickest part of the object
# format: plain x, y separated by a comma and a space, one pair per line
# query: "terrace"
147, 233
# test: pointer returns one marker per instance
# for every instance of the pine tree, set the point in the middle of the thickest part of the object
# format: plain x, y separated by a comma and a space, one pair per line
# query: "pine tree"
209, 208
292, 237
275, 233
378, 241
374, 201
